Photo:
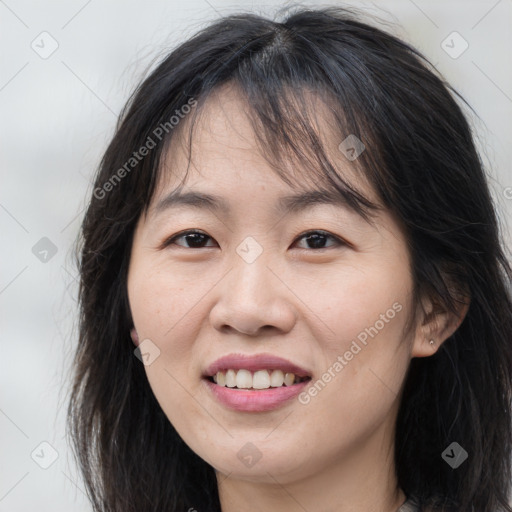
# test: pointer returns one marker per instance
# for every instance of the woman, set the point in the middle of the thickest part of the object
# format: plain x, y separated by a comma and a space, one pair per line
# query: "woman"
293, 227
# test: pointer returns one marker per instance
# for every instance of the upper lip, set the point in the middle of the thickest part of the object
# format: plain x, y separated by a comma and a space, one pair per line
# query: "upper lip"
254, 363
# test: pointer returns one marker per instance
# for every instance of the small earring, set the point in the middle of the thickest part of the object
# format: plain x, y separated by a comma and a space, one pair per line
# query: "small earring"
134, 336
431, 342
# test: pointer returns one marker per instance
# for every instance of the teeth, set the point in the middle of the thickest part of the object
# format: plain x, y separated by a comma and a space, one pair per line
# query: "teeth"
261, 379
244, 379
289, 378
230, 378
220, 379
277, 378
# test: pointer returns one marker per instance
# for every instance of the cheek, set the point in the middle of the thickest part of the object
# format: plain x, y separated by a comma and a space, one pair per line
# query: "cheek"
161, 301
168, 309
164, 313
363, 313
357, 297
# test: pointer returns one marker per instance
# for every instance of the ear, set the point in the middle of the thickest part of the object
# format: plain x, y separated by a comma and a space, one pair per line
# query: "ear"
134, 336
436, 323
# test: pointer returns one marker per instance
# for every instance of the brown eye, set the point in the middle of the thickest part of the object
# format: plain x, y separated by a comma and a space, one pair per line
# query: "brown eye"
317, 239
193, 239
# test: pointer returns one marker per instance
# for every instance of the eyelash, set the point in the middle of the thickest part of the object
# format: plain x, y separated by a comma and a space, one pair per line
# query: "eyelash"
171, 240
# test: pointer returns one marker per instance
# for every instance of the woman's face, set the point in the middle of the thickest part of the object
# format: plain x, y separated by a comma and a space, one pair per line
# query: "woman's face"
334, 303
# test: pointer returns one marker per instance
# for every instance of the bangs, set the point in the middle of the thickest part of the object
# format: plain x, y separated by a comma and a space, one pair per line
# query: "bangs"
293, 115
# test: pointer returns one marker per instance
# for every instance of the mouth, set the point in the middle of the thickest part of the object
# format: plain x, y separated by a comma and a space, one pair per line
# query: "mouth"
258, 371
254, 383
253, 399
261, 380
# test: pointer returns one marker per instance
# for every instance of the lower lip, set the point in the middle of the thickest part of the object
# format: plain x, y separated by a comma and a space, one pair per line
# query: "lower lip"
257, 400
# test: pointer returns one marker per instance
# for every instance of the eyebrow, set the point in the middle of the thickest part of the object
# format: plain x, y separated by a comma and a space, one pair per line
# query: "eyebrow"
286, 204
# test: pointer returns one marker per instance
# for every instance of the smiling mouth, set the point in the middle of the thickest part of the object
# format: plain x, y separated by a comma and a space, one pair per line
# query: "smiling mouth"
250, 382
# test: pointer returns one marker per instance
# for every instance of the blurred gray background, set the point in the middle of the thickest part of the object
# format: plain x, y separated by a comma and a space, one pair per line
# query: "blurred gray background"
67, 67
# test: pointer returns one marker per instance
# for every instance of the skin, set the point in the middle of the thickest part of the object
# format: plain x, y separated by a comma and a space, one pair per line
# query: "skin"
307, 305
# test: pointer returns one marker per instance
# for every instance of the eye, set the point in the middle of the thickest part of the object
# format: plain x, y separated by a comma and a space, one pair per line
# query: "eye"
317, 239
195, 239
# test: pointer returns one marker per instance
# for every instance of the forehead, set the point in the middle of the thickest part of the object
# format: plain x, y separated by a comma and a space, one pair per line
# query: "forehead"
218, 145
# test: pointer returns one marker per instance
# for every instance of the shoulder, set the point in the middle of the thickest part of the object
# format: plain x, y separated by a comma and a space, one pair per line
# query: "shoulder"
412, 505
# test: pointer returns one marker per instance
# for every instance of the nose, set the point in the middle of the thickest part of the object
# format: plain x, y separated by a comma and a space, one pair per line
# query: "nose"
253, 300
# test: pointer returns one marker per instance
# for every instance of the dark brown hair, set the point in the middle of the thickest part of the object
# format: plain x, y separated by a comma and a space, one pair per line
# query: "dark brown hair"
422, 162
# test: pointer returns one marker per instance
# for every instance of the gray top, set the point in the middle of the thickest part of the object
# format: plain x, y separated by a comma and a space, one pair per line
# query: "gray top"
409, 506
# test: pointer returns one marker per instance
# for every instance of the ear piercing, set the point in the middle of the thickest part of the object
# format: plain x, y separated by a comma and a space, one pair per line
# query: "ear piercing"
432, 342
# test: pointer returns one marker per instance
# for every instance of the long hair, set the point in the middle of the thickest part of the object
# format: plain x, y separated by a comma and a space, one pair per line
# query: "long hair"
420, 158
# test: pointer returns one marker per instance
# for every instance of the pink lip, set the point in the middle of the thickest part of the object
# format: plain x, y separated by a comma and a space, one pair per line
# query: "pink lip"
254, 363
257, 400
